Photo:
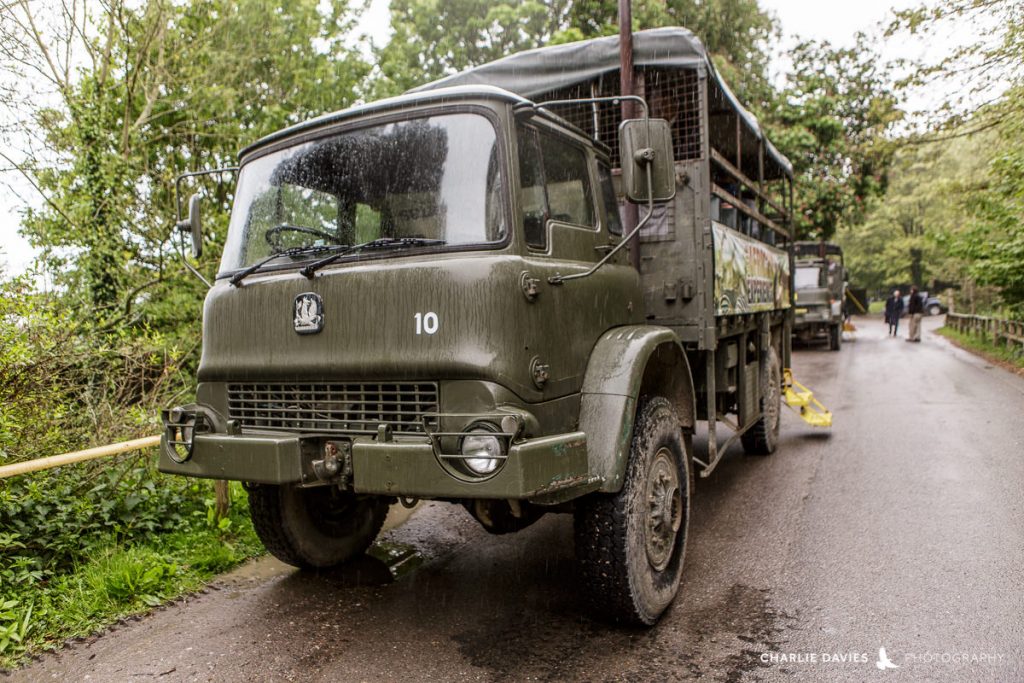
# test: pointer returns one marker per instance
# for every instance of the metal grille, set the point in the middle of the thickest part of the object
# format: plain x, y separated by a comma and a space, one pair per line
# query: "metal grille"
332, 408
672, 94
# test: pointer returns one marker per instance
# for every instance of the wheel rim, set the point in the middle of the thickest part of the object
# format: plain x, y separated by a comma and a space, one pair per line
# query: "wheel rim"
664, 509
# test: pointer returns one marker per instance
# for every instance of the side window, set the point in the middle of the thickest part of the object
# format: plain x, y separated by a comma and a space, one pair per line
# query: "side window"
532, 197
610, 202
568, 182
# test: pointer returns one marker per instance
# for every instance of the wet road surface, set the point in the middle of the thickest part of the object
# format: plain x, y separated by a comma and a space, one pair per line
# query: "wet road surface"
902, 528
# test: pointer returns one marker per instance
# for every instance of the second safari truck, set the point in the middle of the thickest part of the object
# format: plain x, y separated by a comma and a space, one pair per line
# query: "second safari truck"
819, 290
429, 297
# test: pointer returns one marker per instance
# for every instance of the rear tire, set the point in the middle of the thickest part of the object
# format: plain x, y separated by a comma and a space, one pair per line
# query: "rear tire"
315, 528
934, 310
763, 437
630, 545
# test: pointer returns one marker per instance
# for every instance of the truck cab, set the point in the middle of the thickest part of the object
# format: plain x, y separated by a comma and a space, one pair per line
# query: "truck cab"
819, 282
401, 314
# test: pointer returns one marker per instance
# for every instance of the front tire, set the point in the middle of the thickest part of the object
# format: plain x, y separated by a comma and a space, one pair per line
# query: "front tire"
835, 337
630, 545
315, 528
763, 437
934, 310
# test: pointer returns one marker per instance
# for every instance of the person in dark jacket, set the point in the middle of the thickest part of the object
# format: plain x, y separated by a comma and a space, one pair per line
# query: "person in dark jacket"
893, 311
915, 309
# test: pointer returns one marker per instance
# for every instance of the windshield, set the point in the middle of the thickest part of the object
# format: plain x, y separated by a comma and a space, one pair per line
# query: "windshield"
435, 178
807, 276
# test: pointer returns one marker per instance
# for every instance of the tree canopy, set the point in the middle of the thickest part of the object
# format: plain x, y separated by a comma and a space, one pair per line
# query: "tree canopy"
978, 176
834, 119
140, 91
165, 88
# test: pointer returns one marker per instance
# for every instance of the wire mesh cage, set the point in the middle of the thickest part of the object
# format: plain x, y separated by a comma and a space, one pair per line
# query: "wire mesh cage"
672, 94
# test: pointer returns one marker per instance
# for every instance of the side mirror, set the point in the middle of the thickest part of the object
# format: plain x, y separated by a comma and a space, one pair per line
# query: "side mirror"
193, 225
647, 143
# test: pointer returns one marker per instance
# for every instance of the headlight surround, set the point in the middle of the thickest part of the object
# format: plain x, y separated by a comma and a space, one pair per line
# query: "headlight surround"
180, 431
483, 450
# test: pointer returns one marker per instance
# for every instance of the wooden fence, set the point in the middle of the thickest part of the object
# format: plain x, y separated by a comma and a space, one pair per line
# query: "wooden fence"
996, 330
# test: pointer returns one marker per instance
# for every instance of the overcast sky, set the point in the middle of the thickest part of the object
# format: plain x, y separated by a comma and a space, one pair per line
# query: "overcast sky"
831, 20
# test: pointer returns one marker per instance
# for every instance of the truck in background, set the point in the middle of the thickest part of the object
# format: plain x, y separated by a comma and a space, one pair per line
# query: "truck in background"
428, 297
819, 283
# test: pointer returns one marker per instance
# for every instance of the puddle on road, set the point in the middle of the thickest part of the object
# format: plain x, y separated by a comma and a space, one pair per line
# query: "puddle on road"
401, 559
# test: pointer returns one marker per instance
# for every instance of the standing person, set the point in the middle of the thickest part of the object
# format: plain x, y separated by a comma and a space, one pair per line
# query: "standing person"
915, 309
893, 311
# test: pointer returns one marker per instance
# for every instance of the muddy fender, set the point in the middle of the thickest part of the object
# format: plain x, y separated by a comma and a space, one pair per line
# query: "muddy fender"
628, 362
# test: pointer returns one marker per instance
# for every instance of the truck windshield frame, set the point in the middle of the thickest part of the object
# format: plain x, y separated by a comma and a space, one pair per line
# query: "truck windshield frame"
393, 176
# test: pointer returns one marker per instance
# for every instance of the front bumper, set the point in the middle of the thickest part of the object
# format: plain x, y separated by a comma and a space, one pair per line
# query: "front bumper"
815, 318
545, 470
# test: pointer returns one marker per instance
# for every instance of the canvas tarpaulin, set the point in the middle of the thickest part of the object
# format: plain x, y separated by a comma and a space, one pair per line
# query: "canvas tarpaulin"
546, 69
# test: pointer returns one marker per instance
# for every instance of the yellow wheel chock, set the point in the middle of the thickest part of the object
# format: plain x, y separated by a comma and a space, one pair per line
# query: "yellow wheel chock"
801, 401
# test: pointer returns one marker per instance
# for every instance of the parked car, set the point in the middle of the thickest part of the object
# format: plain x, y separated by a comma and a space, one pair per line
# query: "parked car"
932, 304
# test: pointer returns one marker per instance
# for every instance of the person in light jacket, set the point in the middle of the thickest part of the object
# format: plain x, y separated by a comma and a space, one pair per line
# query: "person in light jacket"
915, 309
893, 311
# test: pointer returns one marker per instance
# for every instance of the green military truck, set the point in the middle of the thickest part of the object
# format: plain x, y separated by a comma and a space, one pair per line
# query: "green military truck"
819, 283
430, 297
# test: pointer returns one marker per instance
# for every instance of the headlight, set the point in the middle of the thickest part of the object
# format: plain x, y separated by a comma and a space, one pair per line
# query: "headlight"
483, 450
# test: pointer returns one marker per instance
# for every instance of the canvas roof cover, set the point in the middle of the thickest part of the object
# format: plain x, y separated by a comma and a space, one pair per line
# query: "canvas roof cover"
545, 69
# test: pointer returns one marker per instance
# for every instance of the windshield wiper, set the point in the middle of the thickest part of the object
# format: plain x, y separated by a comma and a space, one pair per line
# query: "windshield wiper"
294, 251
379, 243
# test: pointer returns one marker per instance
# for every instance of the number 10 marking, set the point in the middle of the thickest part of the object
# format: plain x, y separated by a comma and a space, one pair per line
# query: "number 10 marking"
426, 323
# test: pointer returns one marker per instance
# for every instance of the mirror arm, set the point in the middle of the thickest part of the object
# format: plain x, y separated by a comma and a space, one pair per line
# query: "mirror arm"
189, 266
559, 279
194, 174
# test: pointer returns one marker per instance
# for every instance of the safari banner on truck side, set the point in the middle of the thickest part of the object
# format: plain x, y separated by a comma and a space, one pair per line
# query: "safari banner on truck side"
750, 276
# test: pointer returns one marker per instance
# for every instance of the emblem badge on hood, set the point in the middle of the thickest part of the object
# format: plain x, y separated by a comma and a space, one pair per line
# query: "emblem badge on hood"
309, 313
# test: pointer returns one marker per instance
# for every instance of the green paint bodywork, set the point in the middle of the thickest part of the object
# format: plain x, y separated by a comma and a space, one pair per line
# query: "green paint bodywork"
611, 390
549, 469
259, 458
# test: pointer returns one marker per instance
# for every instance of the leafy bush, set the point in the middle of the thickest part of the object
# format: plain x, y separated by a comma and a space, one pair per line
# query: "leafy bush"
83, 544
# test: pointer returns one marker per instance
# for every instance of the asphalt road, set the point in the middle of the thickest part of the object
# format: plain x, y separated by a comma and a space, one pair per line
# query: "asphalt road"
902, 528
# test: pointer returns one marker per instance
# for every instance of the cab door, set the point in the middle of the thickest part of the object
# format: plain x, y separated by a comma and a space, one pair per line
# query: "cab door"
569, 218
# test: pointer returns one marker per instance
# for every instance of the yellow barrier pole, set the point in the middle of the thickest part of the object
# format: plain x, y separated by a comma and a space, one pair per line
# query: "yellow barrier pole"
78, 456
857, 302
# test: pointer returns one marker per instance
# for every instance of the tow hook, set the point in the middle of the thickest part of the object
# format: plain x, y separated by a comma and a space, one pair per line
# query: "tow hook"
337, 462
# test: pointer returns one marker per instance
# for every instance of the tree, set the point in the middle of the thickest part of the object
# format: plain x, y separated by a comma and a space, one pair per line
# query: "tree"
142, 92
905, 235
985, 80
833, 120
993, 240
431, 39
737, 33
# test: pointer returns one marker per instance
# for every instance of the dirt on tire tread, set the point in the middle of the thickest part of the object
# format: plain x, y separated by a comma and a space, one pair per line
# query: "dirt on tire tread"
599, 527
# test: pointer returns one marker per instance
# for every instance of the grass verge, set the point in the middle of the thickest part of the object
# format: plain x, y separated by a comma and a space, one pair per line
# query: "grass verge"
982, 346
123, 574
